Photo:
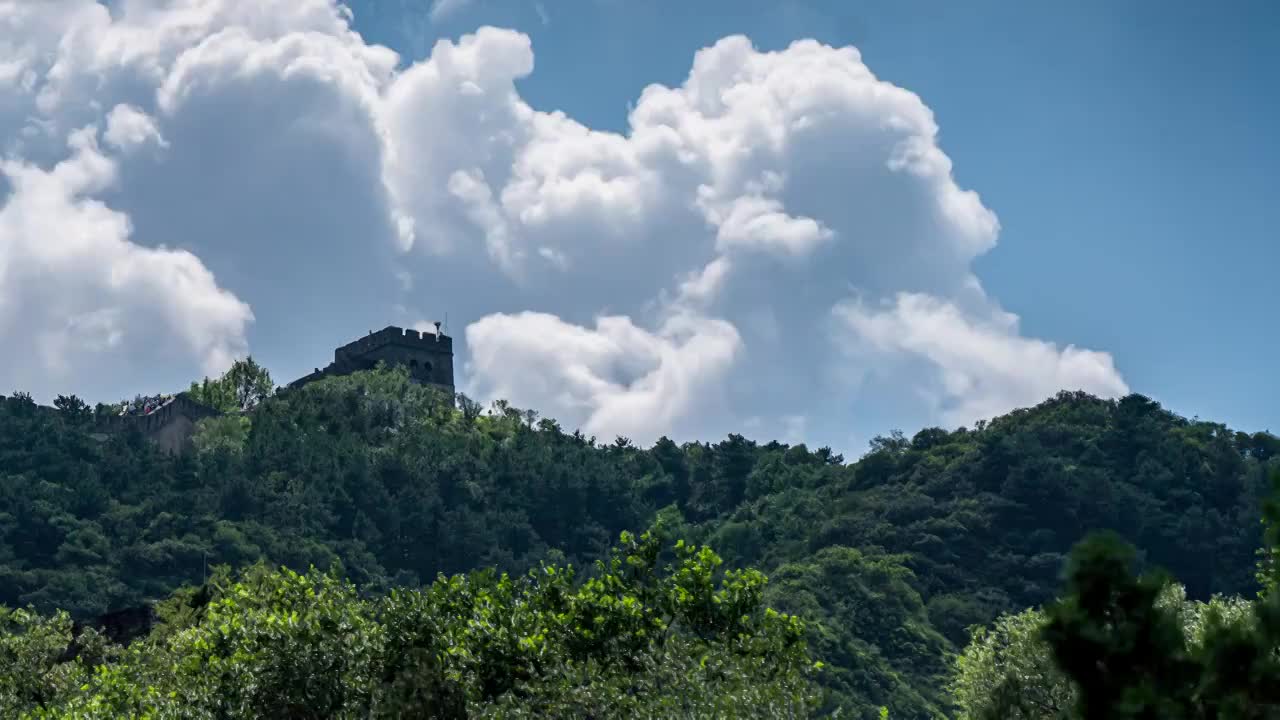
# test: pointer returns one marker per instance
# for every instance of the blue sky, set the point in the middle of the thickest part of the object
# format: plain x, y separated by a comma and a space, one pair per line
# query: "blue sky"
264, 182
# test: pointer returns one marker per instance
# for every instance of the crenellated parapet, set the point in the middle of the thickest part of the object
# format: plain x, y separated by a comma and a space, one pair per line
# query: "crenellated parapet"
400, 337
427, 356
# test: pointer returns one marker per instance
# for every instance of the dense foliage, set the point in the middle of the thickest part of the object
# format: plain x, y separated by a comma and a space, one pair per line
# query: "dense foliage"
1009, 670
891, 557
1127, 646
632, 641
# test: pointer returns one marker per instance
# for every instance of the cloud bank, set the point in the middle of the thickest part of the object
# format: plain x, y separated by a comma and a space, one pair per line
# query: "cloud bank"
765, 242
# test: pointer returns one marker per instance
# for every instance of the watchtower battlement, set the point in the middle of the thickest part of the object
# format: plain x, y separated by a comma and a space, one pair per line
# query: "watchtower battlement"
427, 356
392, 335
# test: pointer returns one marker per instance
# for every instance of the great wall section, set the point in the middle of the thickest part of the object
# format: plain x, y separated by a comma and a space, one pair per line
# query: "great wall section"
428, 357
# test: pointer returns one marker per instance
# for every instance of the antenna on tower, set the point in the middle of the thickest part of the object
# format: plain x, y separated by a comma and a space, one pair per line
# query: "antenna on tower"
437, 331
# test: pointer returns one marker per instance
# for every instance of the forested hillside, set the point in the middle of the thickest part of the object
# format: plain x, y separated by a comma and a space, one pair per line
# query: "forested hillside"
888, 559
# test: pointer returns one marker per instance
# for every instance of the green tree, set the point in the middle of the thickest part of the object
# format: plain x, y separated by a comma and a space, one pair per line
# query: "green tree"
74, 410
223, 433
633, 640
1009, 671
1128, 646
241, 387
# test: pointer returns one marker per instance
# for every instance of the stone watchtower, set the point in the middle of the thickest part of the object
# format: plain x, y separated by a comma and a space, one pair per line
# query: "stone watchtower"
428, 357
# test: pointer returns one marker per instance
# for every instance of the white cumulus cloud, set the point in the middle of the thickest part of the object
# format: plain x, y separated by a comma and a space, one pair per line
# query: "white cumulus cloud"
230, 138
981, 366
621, 378
75, 286
766, 191
777, 224
128, 128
